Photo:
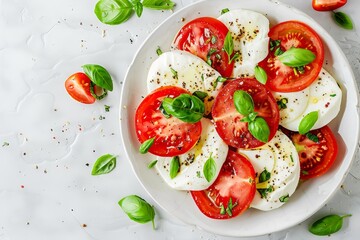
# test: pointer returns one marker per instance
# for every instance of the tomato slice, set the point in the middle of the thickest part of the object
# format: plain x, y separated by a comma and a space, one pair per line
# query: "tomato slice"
236, 181
228, 120
282, 78
172, 136
204, 37
327, 5
316, 158
78, 87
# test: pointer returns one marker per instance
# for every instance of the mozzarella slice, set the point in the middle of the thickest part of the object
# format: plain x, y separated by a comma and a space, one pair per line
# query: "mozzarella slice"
280, 158
191, 176
249, 30
182, 69
325, 97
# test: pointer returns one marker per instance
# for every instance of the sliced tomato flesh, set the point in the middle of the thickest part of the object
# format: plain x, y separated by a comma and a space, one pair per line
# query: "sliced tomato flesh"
172, 136
232, 192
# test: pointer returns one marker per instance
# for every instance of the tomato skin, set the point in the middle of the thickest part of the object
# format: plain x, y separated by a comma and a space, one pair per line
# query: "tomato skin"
172, 136
327, 5
282, 78
236, 180
78, 87
197, 37
228, 120
315, 158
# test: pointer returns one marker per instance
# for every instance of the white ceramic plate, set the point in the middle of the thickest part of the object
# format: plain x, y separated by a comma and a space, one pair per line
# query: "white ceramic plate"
310, 195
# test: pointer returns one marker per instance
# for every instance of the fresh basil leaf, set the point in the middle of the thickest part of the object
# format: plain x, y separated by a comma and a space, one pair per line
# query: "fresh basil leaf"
159, 4
225, 10
243, 102
259, 129
138, 209
174, 167
99, 76
162, 110
201, 95
327, 225
278, 51
113, 11
152, 164
308, 122
296, 57
230, 207
264, 192
284, 198
222, 209
209, 169
264, 176
138, 7
228, 45
343, 20
219, 79
185, 107
249, 118
274, 43
260, 74
104, 165
145, 146
312, 137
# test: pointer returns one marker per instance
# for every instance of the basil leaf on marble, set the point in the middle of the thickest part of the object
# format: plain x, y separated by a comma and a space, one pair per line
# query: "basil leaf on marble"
104, 165
113, 12
99, 76
343, 20
327, 225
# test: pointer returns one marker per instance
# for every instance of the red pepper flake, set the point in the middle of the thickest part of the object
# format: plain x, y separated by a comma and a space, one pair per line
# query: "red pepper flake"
327, 104
22, 186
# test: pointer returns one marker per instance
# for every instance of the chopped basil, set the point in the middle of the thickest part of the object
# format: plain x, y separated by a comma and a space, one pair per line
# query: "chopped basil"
282, 103
292, 159
152, 164
225, 10
305, 172
278, 52
264, 176
107, 108
198, 174
174, 167
333, 95
201, 95
312, 137
273, 44
208, 56
174, 73
222, 209
264, 192
219, 79
5, 144
145, 146
159, 51
284, 198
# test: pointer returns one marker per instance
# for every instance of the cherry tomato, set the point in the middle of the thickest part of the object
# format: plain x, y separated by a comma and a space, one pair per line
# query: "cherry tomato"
236, 181
327, 5
172, 136
78, 87
316, 158
282, 78
204, 37
228, 120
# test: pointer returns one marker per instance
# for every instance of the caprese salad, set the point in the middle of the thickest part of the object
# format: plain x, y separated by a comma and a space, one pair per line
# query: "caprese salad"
237, 112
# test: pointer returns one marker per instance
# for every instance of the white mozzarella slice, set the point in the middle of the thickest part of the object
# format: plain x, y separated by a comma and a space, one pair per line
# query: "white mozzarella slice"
185, 70
295, 102
191, 175
280, 158
325, 97
249, 30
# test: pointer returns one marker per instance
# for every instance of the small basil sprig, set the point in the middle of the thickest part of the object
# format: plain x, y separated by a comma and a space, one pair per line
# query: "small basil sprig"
104, 164
257, 126
99, 76
308, 122
114, 12
209, 169
138, 209
327, 225
185, 107
343, 20
145, 146
297, 57
260, 74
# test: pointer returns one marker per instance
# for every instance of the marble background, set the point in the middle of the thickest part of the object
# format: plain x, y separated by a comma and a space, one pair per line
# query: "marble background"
48, 142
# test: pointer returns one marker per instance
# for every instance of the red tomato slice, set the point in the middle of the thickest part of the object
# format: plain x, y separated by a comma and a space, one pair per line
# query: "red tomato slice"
78, 87
172, 136
204, 37
228, 120
327, 5
282, 78
316, 158
236, 181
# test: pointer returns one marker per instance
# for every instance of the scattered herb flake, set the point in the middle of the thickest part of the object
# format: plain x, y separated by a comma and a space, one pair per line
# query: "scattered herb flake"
152, 164
159, 51
107, 108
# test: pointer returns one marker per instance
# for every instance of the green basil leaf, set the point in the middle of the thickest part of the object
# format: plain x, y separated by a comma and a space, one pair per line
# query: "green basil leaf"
138, 209
152, 164
274, 43
327, 225
230, 207
308, 122
138, 7
162, 110
159, 4
260, 74
225, 10
264, 192
99, 76
264, 176
260, 129
209, 169
282, 103
284, 198
222, 209
174, 73
278, 51
296, 57
102, 92
249, 118
312, 137
201, 95
343, 20
104, 165
228, 45
174, 167
113, 11
185, 107
145, 146
243, 102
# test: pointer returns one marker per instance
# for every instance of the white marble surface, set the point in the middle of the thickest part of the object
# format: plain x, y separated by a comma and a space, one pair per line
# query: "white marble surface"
46, 189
